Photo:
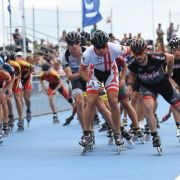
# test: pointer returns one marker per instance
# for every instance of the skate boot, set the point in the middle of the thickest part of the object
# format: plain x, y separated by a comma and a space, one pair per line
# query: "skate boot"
128, 136
125, 123
85, 142
11, 122
92, 140
119, 142
110, 136
157, 143
6, 129
166, 117
20, 125
1, 135
28, 117
178, 133
55, 119
68, 120
139, 134
133, 132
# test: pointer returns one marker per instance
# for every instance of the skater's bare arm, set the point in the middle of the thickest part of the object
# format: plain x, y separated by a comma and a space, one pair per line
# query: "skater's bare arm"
71, 76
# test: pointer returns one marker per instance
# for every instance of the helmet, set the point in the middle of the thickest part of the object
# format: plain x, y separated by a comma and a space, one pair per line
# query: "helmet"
73, 38
1, 62
174, 43
99, 39
83, 41
45, 67
5, 55
138, 45
19, 53
86, 35
85, 38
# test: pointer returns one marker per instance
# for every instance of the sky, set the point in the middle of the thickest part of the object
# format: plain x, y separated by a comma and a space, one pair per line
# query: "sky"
128, 16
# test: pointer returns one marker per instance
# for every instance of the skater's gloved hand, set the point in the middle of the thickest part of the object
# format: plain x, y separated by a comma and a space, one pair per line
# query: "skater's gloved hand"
96, 84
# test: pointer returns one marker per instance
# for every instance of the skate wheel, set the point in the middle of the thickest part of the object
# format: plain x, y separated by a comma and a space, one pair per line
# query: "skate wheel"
131, 144
159, 149
110, 141
179, 139
5, 133
20, 129
119, 149
142, 140
83, 151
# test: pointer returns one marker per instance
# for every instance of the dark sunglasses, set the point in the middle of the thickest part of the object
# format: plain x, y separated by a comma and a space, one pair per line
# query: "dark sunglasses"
73, 43
100, 47
138, 54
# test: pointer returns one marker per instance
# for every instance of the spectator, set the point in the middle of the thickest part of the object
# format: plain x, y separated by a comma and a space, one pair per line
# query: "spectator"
30, 59
160, 34
130, 36
62, 38
37, 65
17, 38
139, 36
112, 38
94, 28
171, 32
124, 39
79, 30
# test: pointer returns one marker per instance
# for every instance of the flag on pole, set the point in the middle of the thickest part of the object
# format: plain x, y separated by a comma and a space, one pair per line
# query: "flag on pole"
90, 10
9, 6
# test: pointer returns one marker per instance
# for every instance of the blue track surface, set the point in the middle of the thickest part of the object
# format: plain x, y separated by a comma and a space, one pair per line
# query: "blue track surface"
51, 152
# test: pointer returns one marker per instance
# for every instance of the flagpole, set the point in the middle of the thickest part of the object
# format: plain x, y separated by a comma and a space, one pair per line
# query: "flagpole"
10, 22
82, 27
33, 27
58, 36
3, 25
152, 5
24, 29
111, 20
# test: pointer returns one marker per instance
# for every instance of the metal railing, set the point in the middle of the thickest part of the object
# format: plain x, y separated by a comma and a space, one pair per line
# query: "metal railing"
32, 34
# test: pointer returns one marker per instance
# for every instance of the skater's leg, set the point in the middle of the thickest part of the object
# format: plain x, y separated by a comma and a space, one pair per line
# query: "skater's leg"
105, 112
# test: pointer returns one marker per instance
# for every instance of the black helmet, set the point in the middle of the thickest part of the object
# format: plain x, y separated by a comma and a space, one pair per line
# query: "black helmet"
86, 35
85, 38
45, 67
99, 39
73, 38
83, 41
174, 43
138, 45
5, 55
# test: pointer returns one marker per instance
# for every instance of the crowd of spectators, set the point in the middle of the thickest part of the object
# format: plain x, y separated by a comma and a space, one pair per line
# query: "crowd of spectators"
44, 51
